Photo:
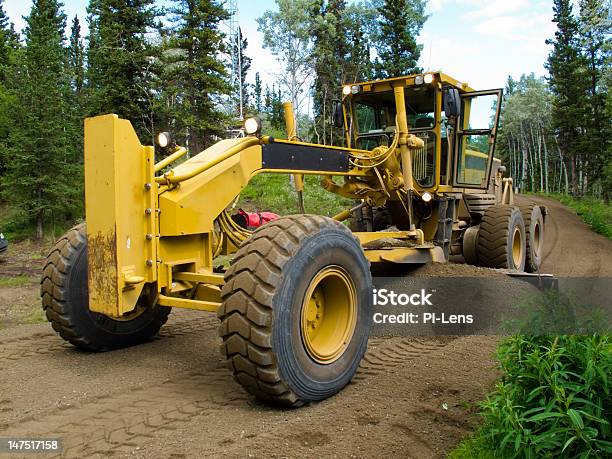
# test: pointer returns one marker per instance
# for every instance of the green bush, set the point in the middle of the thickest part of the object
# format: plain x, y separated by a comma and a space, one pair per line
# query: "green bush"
553, 400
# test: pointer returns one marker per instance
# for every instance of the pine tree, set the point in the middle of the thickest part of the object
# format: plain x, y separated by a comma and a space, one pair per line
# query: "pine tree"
120, 61
42, 183
567, 82
400, 23
76, 59
328, 56
240, 86
78, 102
9, 42
340, 56
594, 26
9, 53
195, 76
358, 20
257, 94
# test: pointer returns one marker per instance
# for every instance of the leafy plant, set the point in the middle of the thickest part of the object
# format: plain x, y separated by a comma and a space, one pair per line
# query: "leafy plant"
553, 400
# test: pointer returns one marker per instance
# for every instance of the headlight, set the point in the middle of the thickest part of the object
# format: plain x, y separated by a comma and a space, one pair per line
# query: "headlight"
355, 89
426, 197
164, 139
418, 80
252, 125
346, 90
428, 79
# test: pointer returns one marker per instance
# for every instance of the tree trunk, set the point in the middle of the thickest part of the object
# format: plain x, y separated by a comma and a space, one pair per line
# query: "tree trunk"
39, 225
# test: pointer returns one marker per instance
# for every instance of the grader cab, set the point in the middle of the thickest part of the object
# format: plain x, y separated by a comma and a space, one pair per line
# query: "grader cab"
295, 306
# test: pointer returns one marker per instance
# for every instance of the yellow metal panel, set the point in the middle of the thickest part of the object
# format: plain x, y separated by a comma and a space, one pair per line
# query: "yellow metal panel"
195, 249
176, 302
117, 167
193, 206
365, 237
406, 255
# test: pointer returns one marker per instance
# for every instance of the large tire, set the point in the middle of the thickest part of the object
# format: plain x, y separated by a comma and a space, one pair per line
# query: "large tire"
65, 300
534, 231
268, 298
501, 238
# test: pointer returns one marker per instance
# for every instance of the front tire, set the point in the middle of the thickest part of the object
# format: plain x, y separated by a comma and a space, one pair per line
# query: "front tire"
501, 238
65, 300
297, 310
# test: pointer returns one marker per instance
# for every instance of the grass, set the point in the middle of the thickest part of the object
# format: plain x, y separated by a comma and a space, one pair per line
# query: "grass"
593, 211
274, 193
14, 281
37, 316
474, 447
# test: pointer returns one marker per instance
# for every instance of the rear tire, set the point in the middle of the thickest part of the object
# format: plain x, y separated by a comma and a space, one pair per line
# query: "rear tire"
272, 294
534, 235
65, 300
501, 238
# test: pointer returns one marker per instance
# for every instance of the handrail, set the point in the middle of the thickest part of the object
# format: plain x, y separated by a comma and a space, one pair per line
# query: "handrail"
179, 153
170, 178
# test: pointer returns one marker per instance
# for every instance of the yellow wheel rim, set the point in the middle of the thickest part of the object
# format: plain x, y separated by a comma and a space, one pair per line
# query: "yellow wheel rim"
537, 239
329, 313
517, 247
137, 312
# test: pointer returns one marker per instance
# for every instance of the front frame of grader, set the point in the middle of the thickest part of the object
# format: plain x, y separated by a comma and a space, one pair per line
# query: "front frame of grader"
161, 233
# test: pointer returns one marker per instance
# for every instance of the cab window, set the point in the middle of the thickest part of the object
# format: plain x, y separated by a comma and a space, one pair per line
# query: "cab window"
479, 115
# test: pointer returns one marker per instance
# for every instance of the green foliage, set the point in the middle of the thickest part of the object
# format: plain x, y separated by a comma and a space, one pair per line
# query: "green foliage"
594, 36
244, 64
553, 400
9, 52
593, 211
274, 114
525, 141
400, 23
120, 61
194, 77
257, 93
554, 397
328, 57
273, 192
42, 184
76, 59
577, 67
287, 34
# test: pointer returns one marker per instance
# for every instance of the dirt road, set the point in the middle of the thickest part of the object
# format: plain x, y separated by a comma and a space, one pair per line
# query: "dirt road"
412, 397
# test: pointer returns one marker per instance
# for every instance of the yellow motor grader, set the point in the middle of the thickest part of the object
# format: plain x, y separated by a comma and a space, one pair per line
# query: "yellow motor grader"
295, 306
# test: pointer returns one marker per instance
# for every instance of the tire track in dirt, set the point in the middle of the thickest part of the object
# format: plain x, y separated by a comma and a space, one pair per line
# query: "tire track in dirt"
120, 422
19, 348
385, 354
571, 248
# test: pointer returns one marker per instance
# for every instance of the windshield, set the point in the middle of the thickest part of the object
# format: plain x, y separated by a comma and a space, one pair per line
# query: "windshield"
376, 112
375, 117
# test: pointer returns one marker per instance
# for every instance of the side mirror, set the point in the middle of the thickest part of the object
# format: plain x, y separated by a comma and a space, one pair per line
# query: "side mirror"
452, 102
337, 116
